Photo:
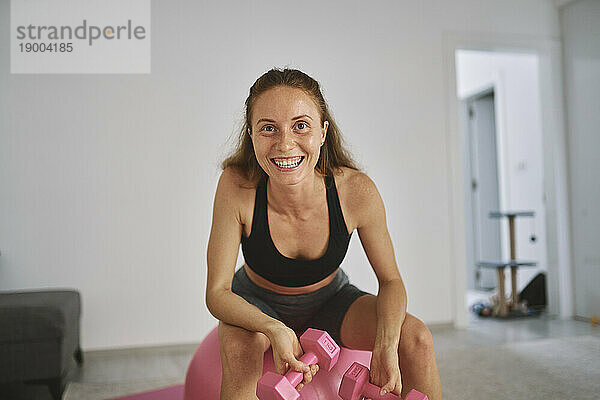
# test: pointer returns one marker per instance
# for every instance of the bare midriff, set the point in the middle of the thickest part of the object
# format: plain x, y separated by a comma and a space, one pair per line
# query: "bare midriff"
265, 284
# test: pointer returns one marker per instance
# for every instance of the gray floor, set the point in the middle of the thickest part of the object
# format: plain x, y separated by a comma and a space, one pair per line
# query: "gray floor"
135, 364
489, 332
172, 361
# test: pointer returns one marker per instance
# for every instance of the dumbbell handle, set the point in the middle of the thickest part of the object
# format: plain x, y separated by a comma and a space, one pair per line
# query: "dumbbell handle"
296, 377
371, 391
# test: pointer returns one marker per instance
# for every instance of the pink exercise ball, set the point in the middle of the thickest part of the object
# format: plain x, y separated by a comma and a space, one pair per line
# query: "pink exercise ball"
203, 378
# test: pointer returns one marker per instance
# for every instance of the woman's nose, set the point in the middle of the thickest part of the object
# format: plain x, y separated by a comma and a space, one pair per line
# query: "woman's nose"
286, 139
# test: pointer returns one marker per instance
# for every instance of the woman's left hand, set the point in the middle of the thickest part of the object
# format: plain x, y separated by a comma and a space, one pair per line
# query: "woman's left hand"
385, 372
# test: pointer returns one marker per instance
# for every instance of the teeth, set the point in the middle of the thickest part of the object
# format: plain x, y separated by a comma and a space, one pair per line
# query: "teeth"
288, 163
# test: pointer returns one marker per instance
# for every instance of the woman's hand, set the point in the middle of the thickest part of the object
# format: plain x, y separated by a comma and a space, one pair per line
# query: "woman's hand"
286, 351
385, 371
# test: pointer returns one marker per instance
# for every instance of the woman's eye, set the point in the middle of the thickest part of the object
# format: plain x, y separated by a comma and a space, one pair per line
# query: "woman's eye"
301, 125
268, 128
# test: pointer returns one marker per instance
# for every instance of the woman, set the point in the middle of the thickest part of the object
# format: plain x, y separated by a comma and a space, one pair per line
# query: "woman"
292, 196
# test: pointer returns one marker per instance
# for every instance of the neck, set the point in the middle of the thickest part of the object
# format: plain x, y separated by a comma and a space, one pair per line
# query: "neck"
295, 200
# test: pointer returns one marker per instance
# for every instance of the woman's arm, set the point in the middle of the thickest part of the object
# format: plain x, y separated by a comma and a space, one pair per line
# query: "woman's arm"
391, 298
376, 241
223, 247
222, 252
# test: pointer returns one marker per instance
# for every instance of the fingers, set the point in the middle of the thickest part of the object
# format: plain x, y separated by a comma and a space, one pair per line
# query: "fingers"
288, 361
297, 348
299, 366
297, 352
388, 383
282, 365
314, 368
373, 378
392, 386
398, 389
388, 387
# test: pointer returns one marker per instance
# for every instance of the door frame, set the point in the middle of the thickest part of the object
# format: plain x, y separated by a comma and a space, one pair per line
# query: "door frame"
555, 181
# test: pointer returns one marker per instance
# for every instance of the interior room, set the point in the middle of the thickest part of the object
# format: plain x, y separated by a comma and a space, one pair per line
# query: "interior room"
476, 121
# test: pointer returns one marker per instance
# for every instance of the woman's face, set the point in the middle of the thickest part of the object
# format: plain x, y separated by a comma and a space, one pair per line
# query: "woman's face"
287, 133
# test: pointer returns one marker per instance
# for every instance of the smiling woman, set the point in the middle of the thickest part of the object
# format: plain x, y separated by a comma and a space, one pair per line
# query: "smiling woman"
292, 196
288, 143
333, 152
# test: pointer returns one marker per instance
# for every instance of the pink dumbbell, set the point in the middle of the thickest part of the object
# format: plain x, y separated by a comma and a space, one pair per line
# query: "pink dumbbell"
356, 386
319, 348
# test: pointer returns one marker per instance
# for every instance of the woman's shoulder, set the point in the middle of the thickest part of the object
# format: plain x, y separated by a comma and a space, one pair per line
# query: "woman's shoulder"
240, 191
236, 183
356, 190
353, 182
236, 177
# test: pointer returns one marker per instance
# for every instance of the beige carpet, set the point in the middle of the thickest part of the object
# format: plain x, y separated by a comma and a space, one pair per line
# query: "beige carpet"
563, 368
102, 391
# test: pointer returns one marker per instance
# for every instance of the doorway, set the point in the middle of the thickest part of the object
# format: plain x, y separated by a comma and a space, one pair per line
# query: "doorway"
500, 121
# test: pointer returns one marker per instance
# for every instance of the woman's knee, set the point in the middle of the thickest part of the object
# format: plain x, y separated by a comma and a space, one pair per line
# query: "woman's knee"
416, 340
241, 348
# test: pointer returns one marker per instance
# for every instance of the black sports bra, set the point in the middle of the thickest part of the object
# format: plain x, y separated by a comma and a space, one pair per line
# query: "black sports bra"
262, 256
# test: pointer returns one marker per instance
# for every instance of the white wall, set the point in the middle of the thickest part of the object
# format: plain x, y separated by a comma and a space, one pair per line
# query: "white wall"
107, 180
515, 80
580, 22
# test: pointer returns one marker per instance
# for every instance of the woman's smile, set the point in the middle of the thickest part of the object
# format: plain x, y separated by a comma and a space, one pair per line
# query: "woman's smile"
287, 164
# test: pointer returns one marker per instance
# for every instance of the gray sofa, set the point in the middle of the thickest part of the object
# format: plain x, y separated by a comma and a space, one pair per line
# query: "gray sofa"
39, 342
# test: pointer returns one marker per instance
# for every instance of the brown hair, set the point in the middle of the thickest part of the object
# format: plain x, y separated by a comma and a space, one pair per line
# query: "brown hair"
333, 154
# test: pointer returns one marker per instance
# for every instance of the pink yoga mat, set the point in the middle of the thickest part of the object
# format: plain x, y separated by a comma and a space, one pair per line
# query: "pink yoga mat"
169, 393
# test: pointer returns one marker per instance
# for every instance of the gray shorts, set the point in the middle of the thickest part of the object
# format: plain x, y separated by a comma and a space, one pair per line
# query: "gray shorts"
323, 309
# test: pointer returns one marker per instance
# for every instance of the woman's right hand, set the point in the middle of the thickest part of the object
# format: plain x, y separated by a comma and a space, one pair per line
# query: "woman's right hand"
286, 351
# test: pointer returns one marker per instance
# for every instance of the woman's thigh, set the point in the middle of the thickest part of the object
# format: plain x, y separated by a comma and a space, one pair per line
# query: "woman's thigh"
331, 314
359, 326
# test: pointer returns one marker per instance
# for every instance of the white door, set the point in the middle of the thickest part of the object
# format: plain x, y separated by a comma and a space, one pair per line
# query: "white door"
484, 186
